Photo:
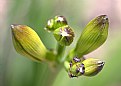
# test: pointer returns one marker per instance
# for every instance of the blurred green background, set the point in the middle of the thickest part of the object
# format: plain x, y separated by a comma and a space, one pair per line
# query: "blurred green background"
16, 70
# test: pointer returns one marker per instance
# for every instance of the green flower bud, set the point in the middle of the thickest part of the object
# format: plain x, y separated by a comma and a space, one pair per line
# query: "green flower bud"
76, 68
93, 36
64, 35
92, 66
50, 25
88, 67
55, 23
27, 42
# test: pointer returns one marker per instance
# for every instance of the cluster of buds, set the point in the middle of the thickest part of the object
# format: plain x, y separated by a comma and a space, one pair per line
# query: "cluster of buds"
28, 43
62, 32
88, 67
92, 37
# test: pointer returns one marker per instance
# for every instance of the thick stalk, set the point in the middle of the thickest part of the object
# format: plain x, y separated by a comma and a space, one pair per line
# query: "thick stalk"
43, 75
60, 53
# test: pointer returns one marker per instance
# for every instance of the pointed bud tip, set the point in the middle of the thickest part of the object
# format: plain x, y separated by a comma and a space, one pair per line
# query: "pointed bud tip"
104, 16
60, 18
13, 26
103, 19
100, 64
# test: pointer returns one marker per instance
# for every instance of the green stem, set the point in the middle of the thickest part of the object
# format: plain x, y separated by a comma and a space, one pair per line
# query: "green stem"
60, 53
52, 76
43, 75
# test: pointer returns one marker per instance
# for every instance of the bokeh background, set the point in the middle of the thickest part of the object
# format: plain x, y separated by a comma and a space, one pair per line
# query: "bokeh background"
16, 70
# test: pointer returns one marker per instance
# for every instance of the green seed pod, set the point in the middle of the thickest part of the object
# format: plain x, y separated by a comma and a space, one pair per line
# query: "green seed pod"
27, 42
93, 36
64, 35
92, 66
55, 23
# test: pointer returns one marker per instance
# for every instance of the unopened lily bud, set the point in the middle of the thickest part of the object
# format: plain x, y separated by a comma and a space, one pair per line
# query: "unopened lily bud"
88, 67
76, 68
92, 66
27, 42
64, 35
93, 36
55, 23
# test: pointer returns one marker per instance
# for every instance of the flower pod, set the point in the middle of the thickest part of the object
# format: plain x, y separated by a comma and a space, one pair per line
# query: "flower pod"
64, 35
55, 23
92, 66
76, 67
93, 36
27, 42
87, 67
